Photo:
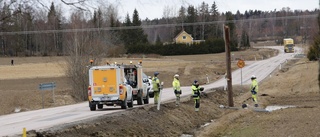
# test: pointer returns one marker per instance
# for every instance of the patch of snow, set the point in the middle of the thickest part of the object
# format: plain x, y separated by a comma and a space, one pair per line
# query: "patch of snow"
186, 135
272, 108
16, 110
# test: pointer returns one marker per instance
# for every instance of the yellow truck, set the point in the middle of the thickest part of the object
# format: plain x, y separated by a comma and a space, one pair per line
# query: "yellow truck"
108, 86
288, 44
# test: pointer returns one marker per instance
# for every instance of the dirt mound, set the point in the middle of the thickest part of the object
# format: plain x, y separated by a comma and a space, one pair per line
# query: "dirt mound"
170, 120
297, 86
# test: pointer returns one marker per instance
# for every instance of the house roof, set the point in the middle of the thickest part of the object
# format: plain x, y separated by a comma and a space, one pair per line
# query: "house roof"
181, 33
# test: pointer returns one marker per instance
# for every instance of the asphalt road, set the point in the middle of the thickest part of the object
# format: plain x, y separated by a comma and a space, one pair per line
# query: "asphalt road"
13, 124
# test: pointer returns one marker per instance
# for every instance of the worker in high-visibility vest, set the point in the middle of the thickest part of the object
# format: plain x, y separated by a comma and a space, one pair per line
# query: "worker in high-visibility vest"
176, 88
254, 90
196, 91
156, 87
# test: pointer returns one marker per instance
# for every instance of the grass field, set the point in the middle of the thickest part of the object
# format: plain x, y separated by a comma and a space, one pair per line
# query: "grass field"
19, 83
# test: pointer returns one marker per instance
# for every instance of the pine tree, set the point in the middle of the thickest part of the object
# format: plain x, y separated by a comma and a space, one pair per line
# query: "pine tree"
191, 18
181, 20
158, 40
138, 34
204, 15
97, 19
5, 14
245, 43
232, 28
214, 11
132, 37
215, 31
125, 34
54, 23
314, 50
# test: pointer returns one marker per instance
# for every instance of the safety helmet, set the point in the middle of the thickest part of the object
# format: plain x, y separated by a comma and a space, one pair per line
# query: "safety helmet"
195, 82
156, 73
244, 105
149, 77
253, 77
176, 75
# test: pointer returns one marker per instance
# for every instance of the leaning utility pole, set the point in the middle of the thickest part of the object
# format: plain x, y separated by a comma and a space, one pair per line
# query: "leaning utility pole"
228, 62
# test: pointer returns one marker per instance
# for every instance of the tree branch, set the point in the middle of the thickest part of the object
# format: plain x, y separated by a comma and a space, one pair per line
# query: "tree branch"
74, 4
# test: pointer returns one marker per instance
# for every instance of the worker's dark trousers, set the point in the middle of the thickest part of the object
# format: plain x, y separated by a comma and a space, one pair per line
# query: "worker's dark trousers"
197, 104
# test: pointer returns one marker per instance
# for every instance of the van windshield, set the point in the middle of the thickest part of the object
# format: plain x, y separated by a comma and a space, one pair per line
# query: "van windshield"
144, 76
290, 45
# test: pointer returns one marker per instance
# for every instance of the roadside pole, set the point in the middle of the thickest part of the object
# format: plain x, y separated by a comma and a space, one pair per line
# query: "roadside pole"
24, 132
228, 62
53, 94
241, 76
42, 100
47, 86
159, 100
241, 64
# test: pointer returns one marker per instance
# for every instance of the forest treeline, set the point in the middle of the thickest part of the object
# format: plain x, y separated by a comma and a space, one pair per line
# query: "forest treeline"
28, 31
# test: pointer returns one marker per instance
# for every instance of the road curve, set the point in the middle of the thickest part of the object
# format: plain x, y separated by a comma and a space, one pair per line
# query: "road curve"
13, 124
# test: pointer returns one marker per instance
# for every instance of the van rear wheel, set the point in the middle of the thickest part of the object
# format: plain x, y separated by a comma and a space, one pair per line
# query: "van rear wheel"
140, 98
92, 106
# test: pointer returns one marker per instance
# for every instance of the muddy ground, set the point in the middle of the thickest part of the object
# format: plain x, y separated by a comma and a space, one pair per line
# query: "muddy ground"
293, 85
296, 84
170, 120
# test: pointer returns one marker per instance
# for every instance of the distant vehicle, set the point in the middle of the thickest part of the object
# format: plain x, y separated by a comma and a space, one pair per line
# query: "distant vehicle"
108, 86
148, 80
288, 45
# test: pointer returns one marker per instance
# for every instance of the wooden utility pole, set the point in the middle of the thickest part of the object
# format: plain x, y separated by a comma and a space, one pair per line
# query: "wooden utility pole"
228, 62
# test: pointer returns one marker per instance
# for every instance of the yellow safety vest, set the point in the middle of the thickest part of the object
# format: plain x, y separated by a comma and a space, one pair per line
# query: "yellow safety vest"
254, 85
195, 92
176, 84
155, 83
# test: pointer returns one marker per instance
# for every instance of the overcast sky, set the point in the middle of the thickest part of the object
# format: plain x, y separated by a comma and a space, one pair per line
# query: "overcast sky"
152, 9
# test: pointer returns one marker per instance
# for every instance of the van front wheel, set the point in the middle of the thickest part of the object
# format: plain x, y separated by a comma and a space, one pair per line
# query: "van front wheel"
124, 103
146, 100
100, 106
130, 104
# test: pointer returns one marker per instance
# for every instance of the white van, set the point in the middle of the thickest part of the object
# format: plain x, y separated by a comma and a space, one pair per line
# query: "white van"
108, 86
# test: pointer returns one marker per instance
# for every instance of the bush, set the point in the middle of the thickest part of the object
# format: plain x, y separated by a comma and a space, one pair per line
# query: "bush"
313, 54
208, 47
314, 50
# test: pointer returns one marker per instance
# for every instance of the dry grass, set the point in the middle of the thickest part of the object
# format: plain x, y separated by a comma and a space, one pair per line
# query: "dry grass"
19, 83
296, 84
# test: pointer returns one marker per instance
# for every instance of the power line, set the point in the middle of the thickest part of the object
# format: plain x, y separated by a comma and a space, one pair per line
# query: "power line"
151, 26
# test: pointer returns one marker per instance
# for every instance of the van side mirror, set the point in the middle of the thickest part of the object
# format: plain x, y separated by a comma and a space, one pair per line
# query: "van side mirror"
145, 80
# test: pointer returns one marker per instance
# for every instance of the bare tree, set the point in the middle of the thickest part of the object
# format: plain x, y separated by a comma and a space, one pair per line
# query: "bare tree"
82, 47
